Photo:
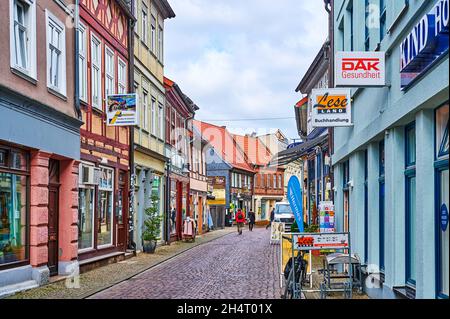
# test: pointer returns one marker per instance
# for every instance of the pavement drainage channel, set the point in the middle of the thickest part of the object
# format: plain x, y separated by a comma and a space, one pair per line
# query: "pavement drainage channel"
133, 277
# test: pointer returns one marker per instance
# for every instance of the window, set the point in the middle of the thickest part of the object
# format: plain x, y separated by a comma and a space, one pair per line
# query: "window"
56, 54
96, 62
144, 32
13, 206
410, 174
122, 74
105, 207
23, 36
275, 184
366, 206
280, 181
110, 69
160, 44
442, 141
153, 35
382, 203
350, 15
367, 30
382, 19
82, 61
161, 120
86, 200
145, 110
346, 191
153, 116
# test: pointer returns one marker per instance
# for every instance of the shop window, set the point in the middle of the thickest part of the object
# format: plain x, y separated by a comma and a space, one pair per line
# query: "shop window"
105, 207
13, 208
366, 206
85, 218
173, 207
442, 142
382, 203
410, 173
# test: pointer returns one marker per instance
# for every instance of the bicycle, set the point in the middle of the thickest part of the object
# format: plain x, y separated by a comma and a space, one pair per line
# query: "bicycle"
300, 269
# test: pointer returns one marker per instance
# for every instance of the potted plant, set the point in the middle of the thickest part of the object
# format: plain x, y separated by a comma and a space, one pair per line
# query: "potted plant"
152, 227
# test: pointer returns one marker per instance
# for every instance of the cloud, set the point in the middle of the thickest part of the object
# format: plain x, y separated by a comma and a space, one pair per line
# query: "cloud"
243, 59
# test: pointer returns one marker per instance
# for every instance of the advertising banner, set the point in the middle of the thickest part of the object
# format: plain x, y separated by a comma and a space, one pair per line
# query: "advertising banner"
121, 110
294, 195
360, 69
331, 108
319, 241
326, 217
218, 186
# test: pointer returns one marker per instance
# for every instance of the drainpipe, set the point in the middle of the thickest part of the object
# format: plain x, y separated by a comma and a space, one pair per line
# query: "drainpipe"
131, 24
77, 66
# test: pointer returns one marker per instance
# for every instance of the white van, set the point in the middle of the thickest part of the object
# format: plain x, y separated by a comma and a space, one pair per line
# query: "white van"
284, 214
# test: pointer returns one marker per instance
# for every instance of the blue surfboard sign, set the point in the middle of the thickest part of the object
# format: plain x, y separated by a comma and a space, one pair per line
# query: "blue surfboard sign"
296, 201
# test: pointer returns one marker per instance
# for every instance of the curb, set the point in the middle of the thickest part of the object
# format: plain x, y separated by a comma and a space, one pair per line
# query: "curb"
87, 295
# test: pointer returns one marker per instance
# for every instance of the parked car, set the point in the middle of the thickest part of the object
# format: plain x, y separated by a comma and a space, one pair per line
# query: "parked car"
284, 214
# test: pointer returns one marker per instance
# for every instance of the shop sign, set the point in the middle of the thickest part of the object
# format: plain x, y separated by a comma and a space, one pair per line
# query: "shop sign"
331, 107
122, 110
295, 198
326, 217
320, 241
425, 43
444, 218
360, 69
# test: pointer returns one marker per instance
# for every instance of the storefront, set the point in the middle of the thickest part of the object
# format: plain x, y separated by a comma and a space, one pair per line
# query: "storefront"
179, 204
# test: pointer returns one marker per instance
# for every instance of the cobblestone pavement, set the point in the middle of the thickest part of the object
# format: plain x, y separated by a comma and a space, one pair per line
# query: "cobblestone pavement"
101, 278
230, 267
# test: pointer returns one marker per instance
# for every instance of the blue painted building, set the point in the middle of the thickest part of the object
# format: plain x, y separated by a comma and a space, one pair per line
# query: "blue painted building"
391, 168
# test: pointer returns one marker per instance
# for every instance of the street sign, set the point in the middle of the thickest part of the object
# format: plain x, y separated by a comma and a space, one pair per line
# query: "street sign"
319, 241
360, 69
296, 201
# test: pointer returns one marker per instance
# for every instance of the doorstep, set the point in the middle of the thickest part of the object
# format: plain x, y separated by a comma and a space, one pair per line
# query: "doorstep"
7, 291
99, 261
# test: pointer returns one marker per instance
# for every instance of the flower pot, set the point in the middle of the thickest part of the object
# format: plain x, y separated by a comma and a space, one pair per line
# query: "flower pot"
149, 247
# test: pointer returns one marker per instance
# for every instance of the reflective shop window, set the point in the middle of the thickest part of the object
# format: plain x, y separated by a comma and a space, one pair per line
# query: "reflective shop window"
173, 207
105, 207
13, 207
85, 218
442, 143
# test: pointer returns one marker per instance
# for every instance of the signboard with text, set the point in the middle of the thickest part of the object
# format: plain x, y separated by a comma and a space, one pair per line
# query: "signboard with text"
121, 110
331, 107
326, 217
319, 241
360, 69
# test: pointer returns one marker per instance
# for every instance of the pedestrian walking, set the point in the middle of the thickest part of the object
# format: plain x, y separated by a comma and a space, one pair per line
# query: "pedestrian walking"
240, 221
272, 217
251, 220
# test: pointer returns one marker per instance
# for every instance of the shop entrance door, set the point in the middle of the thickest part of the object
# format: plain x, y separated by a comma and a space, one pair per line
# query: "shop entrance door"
121, 209
53, 212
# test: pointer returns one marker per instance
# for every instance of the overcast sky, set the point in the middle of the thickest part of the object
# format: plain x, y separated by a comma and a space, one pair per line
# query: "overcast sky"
243, 59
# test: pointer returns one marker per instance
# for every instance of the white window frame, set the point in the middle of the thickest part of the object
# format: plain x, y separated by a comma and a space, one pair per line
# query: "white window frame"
161, 120
112, 204
153, 116
94, 211
122, 76
153, 33
82, 61
61, 86
110, 74
160, 43
30, 17
96, 67
145, 110
144, 26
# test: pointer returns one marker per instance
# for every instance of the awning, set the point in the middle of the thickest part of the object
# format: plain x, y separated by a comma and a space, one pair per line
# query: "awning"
295, 153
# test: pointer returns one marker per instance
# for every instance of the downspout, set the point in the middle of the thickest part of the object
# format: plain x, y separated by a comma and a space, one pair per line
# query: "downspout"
131, 24
77, 64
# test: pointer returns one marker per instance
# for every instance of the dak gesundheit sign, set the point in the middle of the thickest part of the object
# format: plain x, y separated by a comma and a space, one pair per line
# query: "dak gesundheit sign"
360, 69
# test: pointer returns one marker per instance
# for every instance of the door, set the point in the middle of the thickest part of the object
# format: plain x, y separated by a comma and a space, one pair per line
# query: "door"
121, 209
53, 212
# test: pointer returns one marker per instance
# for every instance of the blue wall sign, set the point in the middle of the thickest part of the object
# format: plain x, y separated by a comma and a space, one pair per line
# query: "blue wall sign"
444, 217
294, 145
426, 43
296, 201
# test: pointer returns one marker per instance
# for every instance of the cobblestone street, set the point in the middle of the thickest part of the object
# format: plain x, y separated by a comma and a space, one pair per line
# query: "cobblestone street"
230, 267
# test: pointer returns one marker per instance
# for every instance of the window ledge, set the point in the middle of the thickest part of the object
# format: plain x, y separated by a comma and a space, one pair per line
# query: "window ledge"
24, 75
97, 110
57, 93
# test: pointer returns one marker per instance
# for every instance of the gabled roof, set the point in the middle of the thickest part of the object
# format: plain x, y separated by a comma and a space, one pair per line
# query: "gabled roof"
255, 151
224, 144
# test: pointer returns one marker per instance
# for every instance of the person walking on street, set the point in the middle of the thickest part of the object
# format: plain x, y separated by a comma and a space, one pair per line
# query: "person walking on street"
272, 217
251, 220
240, 220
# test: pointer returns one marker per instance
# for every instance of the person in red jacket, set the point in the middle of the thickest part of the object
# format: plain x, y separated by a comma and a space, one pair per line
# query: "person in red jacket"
240, 220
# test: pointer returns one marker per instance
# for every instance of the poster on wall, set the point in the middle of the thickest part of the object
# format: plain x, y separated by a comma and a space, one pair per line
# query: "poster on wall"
326, 217
360, 69
121, 110
331, 108
217, 184
275, 234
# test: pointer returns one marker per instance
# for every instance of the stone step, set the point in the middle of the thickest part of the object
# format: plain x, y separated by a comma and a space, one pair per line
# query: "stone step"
15, 288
